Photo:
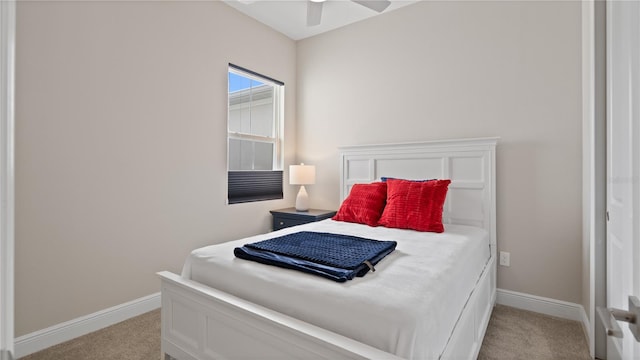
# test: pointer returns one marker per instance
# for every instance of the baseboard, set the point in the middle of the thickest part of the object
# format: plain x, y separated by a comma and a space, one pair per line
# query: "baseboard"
547, 306
42, 339
588, 331
5, 355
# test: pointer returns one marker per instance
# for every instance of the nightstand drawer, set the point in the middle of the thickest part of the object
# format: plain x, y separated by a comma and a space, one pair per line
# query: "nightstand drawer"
285, 218
281, 222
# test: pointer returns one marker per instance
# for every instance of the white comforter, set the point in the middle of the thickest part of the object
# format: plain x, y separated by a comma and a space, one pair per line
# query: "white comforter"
408, 307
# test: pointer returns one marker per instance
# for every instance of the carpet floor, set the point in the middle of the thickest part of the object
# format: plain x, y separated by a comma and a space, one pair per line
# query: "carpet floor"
518, 334
512, 335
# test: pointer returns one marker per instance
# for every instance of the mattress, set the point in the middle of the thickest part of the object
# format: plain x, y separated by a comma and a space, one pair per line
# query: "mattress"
407, 307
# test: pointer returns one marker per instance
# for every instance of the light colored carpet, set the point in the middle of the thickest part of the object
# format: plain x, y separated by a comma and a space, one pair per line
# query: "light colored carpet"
135, 339
517, 334
512, 335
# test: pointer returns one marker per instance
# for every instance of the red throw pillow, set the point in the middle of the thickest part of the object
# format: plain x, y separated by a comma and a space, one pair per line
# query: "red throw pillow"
415, 205
364, 204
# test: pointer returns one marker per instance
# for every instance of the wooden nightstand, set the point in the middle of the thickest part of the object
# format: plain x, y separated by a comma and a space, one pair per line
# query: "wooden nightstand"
284, 218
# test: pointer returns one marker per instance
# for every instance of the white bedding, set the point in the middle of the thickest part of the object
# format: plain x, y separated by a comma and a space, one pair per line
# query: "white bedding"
408, 307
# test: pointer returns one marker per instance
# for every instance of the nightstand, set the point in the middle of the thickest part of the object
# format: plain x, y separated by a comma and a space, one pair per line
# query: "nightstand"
285, 218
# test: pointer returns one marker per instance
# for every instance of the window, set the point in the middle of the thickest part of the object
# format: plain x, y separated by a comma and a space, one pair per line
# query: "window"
254, 136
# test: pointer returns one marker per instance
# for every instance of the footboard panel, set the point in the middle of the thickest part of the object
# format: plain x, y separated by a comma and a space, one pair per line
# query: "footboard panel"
467, 336
202, 323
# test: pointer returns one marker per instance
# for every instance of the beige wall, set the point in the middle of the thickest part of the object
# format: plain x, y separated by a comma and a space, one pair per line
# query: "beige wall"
121, 146
121, 120
438, 70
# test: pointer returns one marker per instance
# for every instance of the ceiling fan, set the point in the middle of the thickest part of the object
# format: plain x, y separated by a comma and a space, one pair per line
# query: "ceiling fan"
314, 8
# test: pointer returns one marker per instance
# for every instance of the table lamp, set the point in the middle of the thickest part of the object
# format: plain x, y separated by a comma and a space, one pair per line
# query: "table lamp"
302, 175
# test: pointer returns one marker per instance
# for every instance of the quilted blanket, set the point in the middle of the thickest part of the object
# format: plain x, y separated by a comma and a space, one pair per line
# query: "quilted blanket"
334, 256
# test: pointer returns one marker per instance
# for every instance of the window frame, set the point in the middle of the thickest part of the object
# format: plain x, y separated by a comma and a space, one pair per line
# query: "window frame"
257, 185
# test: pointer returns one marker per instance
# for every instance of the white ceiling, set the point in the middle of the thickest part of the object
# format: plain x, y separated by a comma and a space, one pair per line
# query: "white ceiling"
290, 16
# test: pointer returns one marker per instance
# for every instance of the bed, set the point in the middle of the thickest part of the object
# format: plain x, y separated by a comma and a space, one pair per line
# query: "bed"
226, 308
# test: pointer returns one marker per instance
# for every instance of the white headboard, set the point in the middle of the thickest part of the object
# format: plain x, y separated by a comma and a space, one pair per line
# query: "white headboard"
469, 163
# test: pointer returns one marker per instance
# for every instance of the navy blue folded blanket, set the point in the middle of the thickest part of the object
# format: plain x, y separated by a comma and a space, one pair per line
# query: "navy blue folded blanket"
334, 256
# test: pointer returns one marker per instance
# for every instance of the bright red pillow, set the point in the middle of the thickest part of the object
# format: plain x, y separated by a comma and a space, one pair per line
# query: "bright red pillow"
415, 205
364, 204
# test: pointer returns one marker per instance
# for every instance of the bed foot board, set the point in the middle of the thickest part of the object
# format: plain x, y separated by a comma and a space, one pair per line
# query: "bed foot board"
202, 323
466, 340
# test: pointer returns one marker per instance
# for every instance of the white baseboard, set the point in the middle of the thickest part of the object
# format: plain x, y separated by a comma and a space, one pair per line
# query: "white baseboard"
588, 332
547, 306
42, 339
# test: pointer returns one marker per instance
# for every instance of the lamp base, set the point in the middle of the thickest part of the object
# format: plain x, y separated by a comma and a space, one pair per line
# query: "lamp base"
302, 200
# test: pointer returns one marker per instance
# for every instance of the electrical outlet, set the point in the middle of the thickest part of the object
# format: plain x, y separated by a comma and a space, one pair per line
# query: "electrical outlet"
505, 258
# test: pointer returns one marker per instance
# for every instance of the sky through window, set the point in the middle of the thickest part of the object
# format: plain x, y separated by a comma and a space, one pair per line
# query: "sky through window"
239, 82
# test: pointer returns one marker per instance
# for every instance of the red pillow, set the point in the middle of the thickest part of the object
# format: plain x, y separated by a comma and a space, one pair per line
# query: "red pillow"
364, 204
415, 205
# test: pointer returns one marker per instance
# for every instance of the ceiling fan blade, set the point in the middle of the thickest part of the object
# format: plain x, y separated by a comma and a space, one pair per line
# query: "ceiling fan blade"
314, 13
376, 5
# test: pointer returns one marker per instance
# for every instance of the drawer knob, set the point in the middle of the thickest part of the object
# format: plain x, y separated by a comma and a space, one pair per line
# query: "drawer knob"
281, 222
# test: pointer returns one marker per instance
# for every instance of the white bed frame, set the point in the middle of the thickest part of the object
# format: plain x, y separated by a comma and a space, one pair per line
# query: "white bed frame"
200, 322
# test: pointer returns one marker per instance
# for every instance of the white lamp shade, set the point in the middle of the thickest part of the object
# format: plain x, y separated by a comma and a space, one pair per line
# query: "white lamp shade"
302, 174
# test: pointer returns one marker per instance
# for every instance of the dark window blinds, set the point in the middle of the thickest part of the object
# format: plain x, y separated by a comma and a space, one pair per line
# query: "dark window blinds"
246, 186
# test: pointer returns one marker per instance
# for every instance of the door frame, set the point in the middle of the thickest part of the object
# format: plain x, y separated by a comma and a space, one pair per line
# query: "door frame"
7, 175
594, 170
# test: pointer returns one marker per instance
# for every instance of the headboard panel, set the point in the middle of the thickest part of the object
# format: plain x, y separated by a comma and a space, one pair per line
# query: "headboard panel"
469, 163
